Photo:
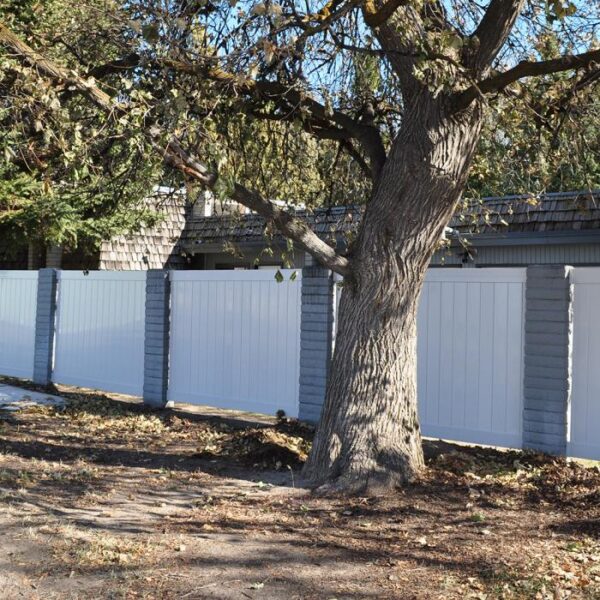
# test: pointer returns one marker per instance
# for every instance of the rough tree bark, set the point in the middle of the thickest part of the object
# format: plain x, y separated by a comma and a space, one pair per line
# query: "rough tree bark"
374, 362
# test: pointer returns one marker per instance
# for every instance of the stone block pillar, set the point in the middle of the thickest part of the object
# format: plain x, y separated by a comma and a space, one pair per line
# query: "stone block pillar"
156, 340
45, 326
316, 339
548, 352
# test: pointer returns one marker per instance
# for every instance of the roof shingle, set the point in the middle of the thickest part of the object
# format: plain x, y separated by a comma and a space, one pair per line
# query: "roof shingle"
564, 211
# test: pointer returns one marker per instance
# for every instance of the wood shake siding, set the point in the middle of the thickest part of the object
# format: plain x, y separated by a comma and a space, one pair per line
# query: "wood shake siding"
150, 248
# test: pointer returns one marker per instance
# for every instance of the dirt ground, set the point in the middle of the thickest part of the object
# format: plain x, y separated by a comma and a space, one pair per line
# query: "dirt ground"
105, 499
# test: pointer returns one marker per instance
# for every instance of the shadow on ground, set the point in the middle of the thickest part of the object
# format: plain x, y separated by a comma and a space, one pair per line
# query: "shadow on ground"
108, 498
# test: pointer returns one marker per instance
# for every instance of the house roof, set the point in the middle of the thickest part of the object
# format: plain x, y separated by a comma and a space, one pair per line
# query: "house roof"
249, 228
563, 211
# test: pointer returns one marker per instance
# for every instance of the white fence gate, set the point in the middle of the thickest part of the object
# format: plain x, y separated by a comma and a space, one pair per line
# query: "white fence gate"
584, 439
18, 293
100, 330
235, 339
470, 355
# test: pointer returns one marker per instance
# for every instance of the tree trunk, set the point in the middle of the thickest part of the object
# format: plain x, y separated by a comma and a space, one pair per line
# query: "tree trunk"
369, 437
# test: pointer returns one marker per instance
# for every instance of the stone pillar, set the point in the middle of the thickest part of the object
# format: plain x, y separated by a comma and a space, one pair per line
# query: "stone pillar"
45, 326
316, 339
156, 340
548, 352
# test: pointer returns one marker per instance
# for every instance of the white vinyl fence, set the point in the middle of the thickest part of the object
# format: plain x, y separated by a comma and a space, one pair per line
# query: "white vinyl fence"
470, 355
235, 343
235, 339
18, 292
584, 440
100, 330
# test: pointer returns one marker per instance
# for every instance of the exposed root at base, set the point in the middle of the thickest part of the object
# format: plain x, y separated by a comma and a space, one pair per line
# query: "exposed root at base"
363, 483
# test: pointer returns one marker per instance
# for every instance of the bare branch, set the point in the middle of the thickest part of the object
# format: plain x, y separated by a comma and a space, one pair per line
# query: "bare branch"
588, 79
401, 35
325, 17
375, 17
116, 66
294, 100
353, 152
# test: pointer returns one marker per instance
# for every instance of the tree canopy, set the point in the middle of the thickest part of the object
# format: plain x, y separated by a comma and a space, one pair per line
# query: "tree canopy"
298, 104
71, 172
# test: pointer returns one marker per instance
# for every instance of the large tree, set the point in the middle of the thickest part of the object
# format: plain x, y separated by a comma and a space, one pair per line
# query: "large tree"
402, 86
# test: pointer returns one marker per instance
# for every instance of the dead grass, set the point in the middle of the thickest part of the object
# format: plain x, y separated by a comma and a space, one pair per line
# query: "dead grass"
107, 499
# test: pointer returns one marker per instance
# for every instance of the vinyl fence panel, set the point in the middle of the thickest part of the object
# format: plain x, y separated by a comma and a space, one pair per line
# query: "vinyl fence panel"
235, 339
18, 292
470, 355
100, 330
584, 439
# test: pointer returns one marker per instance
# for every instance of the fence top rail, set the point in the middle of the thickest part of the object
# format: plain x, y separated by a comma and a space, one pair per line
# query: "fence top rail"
103, 275
487, 275
586, 275
30, 275
231, 275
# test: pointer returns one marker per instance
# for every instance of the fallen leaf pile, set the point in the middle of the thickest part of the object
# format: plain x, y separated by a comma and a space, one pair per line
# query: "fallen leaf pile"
542, 478
285, 444
265, 447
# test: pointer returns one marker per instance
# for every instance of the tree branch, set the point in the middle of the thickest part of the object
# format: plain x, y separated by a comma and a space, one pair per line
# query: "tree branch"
375, 17
500, 81
49, 69
353, 152
293, 100
325, 18
294, 228
176, 156
116, 66
493, 31
401, 35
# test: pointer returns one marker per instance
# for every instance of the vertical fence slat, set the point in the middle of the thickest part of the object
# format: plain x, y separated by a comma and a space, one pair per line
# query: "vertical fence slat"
468, 336
584, 439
